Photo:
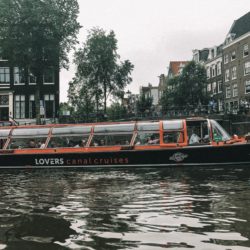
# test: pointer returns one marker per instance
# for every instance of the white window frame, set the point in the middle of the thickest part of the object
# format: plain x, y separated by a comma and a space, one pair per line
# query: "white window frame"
247, 84
53, 75
218, 68
209, 87
5, 74
247, 68
17, 76
235, 90
234, 72
233, 54
20, 108
214, 88
49, 97
245, 50
227, 75
31, 74
226, 60
219, 85
208, 72
220, 105
228, 92
213, 71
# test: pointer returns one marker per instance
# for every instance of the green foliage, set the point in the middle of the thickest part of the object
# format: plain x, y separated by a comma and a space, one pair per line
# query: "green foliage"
98, 63
81, 98
189, 88
37, 34
144, 104
116, 111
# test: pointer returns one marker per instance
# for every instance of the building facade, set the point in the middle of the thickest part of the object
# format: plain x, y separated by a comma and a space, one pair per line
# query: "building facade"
236, 64
213, 66
17, 93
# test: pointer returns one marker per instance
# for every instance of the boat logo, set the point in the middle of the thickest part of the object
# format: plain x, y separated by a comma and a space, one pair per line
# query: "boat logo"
178, 157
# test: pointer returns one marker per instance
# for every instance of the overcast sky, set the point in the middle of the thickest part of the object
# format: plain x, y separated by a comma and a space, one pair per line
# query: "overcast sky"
151, 33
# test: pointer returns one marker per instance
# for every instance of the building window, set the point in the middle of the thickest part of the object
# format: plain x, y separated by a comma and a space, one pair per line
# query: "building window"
233, 55
49, 77
214, 88
19, 76
209, 87
247, 86
208, 72
19, 106
32, 78
219, 86
4, 100
235, 90
226, 59
4, 75
247, 68
49, 106
220, 105
227, 75
213, 71
32, 107
234, 73
228, 92
218, 68
245, 50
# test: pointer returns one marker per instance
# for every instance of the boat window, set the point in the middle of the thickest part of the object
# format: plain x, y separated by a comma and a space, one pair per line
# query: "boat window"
114, 128
148, 126
111, 139
219, 133
28, 138
22, 143
70, 130
151, 138
75, 141
198, 132
30, 132
173, 137
173, 125
4, 133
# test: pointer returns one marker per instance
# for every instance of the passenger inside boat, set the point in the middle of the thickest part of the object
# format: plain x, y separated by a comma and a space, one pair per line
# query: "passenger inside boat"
173, 137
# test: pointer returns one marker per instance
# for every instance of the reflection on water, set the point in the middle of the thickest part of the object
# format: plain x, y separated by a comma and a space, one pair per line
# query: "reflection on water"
151, 209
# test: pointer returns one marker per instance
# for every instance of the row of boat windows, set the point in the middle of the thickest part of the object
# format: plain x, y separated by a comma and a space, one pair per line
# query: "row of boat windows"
148, 138
74, 130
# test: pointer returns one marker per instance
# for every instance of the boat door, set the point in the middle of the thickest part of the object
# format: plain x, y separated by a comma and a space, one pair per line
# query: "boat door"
198, 131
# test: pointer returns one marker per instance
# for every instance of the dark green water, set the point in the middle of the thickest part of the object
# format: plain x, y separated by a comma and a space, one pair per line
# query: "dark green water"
151, 209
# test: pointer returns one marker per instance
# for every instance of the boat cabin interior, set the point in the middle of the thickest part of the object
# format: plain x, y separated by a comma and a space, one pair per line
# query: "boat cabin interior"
138, 135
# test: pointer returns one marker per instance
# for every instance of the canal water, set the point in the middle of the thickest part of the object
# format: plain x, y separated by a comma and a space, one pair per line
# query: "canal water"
151, 209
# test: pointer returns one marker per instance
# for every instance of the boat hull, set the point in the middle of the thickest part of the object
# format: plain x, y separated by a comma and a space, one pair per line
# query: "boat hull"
187, 156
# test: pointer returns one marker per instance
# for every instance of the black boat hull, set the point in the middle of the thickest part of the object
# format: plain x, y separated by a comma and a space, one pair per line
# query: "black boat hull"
187, 156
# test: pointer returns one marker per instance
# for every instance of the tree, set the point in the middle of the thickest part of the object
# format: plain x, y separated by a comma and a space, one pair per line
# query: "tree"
144, 103
189, 88
116, 111
37, 34
81, 98
193, 82
98, 63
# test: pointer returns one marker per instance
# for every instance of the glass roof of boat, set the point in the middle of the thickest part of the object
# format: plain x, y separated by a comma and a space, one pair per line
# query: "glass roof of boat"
114, 128
148, 126
173, 125
4, 133
71, 130
30, 132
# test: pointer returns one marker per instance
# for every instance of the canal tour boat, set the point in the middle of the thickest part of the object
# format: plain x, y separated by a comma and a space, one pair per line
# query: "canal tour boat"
194, 141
